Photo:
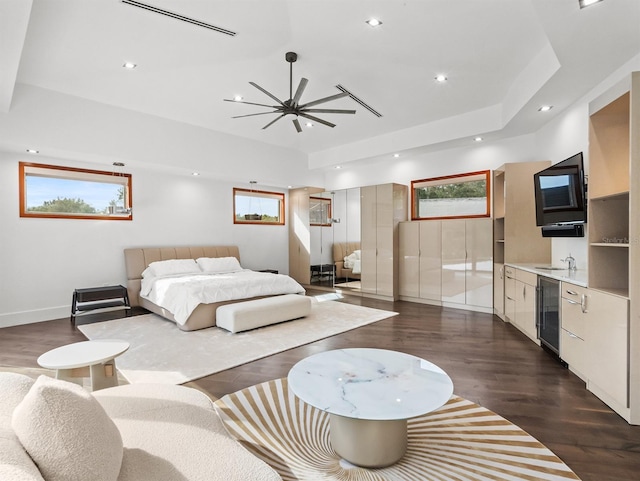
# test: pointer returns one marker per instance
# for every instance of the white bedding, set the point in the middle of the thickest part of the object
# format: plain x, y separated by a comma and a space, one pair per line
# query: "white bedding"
352, 261
180, 295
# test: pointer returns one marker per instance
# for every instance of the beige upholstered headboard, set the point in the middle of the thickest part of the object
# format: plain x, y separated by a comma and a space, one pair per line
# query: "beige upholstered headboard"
138, 259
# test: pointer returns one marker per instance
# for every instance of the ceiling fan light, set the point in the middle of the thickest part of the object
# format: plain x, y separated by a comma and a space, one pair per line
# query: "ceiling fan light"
309, 124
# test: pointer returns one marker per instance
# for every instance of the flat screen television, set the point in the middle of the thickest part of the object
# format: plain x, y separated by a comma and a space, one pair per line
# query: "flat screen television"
561, 193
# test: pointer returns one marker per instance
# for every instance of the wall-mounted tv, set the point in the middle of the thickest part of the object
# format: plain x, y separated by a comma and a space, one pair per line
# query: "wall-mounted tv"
560, 193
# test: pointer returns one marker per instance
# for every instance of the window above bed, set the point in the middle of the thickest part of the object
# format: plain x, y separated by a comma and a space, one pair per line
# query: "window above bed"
258, 207
50, 191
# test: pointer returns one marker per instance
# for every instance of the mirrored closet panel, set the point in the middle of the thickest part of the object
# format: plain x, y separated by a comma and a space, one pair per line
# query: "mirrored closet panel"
335, 239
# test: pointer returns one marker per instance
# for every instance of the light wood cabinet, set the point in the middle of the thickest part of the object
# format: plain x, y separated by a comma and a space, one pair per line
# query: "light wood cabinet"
594, 342
454, 253
525, 294
510, 294
614, 230
467, 263
520, 300
573, 328
299, 235
420, 262
517, 239
383, 207
607, 338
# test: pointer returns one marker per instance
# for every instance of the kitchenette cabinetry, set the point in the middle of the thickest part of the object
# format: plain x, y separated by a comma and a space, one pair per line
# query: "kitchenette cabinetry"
520, 300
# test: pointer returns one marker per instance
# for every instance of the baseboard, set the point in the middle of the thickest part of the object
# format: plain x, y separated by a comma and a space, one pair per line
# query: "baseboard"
30, 317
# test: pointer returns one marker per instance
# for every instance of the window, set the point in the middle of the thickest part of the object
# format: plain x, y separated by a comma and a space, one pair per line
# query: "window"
258, 207
67, 193
450, 197
319, 211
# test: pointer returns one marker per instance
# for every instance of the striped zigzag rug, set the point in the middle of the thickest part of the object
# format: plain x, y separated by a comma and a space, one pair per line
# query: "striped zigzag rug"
460, 441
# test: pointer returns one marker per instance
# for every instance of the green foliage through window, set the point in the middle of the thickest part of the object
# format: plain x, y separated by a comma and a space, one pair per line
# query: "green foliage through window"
65, 192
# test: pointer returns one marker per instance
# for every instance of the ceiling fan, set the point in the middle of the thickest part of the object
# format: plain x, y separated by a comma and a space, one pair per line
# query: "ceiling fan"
292, 107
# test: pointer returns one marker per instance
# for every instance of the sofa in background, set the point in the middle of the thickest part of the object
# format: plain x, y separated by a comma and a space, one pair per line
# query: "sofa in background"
340, 251
54, 430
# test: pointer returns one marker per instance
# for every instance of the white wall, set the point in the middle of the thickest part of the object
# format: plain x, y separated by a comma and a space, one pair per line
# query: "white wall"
43, 260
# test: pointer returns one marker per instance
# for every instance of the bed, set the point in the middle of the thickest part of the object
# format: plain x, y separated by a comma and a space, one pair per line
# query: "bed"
178, 284
346, 257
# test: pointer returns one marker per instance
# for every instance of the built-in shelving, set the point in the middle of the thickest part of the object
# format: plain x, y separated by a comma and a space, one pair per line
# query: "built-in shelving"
609, 197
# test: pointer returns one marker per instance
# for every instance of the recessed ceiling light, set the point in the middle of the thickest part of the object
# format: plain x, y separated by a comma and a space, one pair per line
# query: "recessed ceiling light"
338, 167
33, 151
395, 156
129, 65
238, 98
545, 108
195, 174
374, 22
586, 3
441, 78
478, 139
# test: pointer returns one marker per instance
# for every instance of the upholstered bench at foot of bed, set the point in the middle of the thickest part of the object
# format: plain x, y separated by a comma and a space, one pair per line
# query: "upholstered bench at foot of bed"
242, 316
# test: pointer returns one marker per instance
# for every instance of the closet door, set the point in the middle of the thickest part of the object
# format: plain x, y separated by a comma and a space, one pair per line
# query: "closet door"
410, 266
385, 240
454, 261
368, 238
479, 262
430, 248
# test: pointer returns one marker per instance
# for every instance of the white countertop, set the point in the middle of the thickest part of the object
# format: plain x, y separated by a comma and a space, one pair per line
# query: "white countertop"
578, 277
373, 384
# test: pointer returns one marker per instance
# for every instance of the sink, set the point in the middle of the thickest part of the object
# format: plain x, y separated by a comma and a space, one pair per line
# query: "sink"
549, 268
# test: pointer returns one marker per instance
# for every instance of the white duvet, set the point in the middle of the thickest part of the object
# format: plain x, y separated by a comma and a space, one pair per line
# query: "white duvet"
180, 295
352, 261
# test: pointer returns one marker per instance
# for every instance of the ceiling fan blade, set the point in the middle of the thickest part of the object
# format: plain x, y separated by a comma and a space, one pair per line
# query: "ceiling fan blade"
260, 113
273, 121
329, 111
301, 86
267, 93
296, 124
251, 103
316, 119
325, 99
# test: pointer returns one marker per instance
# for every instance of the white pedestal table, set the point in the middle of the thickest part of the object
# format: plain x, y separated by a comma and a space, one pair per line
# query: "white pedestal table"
369, 395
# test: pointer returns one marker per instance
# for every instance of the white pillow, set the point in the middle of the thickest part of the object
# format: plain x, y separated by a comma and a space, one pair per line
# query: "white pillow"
219, 265
171, 267
67, 432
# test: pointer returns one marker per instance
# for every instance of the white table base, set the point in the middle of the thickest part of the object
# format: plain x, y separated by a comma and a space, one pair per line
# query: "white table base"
101, 376
368, 443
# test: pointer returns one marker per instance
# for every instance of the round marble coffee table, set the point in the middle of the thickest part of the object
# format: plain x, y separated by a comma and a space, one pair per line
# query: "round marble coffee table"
369, 395
93, 359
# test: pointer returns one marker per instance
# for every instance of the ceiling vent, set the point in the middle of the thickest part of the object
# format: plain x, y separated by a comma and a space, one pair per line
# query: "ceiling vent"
167, 13
361, 102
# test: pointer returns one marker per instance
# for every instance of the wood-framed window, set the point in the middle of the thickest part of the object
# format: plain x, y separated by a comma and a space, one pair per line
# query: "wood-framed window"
452, 196
257, 207
52, 191
319, 211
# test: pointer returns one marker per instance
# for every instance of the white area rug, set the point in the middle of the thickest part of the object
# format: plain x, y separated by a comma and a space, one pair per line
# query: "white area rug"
160, 352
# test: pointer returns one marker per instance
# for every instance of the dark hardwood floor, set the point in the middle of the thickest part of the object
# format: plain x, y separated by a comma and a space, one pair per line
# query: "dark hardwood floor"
490, 362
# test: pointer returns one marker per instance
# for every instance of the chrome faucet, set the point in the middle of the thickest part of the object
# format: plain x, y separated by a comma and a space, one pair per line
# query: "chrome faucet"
571, 262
